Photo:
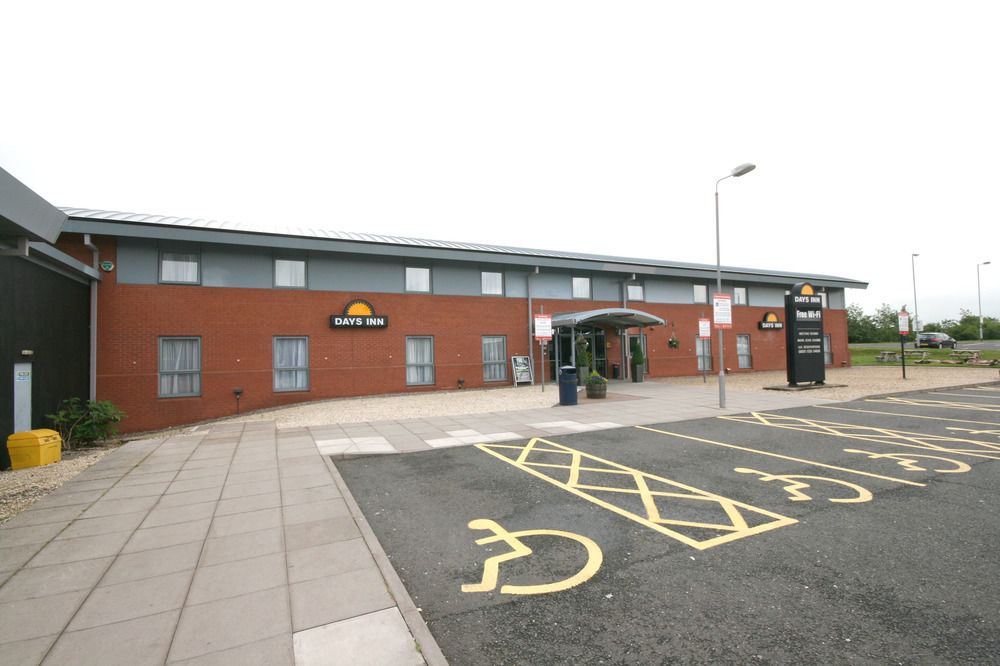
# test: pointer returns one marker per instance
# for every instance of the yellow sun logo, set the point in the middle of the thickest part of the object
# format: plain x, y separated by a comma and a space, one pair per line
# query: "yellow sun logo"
359, 308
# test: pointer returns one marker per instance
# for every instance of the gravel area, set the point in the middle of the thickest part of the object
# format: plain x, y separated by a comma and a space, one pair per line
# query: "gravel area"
19, 488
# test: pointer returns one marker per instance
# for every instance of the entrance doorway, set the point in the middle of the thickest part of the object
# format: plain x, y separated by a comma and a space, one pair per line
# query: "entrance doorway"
562, 354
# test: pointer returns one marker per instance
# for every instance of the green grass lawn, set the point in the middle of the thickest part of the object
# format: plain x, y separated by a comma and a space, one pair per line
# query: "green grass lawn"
867, 356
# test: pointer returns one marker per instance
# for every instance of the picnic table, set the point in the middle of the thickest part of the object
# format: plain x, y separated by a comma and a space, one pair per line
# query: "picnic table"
884, 356
967, 354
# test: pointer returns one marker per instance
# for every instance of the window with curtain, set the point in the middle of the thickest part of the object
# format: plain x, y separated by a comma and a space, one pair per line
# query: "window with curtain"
743, 351
180, 367
827, 350
703, 349
290, 273
492, 284
291, 364
700, 293
180, 267
419, 360
418, 279
739, 295
494, 358
636, 292
581, 287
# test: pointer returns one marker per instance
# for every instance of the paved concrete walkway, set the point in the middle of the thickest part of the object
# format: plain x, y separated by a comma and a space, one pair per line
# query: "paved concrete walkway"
239, 543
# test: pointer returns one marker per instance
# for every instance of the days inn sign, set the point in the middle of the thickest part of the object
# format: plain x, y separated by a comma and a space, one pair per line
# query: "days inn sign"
359, 314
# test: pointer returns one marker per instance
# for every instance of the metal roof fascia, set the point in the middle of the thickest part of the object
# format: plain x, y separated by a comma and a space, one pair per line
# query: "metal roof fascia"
24, 213
258, 239
62, 261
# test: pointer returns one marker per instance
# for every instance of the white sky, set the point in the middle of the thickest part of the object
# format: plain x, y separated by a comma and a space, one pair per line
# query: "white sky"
589, 126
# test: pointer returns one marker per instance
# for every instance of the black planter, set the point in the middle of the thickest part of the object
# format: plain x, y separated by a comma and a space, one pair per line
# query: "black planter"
637, 373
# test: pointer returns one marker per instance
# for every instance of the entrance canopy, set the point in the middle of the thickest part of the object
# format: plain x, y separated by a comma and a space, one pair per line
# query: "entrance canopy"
617, 317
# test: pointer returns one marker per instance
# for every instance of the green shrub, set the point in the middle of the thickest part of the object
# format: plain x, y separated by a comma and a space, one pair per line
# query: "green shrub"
84, 423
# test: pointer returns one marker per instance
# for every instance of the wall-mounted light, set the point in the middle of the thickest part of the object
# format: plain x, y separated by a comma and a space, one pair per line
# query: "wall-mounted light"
237, 393
460, 383
27, 352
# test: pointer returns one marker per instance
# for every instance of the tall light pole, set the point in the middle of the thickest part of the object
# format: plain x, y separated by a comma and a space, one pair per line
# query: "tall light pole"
741, 170
979, 297
913, 267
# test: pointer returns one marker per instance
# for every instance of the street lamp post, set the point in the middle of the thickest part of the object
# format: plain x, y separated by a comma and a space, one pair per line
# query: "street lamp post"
741, 170
979, 297
913, 268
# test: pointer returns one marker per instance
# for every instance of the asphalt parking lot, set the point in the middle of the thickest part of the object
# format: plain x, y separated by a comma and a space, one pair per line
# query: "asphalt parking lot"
861, 532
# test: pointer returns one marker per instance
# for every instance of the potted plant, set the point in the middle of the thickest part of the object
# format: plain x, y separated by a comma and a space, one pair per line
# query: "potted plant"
582, 359
597, 386
673, 342
638, 362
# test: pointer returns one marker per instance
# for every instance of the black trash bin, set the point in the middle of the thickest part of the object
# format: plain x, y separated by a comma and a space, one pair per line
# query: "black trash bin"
567, 385
616, 371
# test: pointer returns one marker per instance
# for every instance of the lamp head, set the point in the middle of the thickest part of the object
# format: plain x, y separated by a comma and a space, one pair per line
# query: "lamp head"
743, 169
985, 262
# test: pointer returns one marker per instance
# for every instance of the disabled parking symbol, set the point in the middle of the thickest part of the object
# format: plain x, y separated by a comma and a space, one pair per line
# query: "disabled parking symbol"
491, 567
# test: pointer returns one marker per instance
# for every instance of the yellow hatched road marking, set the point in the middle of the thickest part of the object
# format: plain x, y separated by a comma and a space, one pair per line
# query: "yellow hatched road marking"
871, 434
784, 457
656, 494
947, 404
909, 416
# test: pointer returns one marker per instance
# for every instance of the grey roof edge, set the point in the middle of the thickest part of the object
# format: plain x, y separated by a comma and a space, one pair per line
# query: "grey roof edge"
61, 260
368, 243
25, 213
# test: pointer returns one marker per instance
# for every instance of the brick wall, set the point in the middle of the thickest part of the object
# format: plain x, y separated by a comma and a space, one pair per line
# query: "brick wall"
237, 326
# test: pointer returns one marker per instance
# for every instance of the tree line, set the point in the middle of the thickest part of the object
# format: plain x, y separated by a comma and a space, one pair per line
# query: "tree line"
883, 326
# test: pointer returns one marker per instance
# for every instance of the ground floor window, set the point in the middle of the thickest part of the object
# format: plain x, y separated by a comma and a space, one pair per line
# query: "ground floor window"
743, 351
494, 358
827, 350
291, 364
703, 349
180, 367
419, 360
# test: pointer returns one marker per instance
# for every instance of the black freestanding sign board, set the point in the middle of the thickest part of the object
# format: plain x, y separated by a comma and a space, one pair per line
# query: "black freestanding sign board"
804, 335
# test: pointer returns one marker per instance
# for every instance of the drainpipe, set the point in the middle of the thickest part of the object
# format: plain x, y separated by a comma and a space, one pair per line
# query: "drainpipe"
93, 318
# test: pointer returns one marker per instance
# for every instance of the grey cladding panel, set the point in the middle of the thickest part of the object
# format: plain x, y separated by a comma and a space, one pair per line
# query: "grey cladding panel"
668, 291
137, 261
456, 280
339, 273
223, 266
606, 289
552, 285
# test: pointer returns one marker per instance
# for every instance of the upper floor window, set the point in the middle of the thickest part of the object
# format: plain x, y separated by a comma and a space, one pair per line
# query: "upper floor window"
636, 292
290, 273
739, 295
418, 279
180, 267
700, 294
492, 284
581, 287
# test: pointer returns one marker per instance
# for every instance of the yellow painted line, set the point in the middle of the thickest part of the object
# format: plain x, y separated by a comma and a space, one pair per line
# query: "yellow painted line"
909, 416
868, 434
643, 485
778, 455
958, 395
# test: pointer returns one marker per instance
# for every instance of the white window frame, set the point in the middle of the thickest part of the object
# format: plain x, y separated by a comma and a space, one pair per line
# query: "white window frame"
743, 352
495, 369
179, 257
491, 283
295, 370
703, 350
740, 296
418, 280
173, 376
295, 281
635, 292
415, 371
578, 288
700, 294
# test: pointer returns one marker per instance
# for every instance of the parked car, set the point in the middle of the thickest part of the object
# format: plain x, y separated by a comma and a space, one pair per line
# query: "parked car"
936, 340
